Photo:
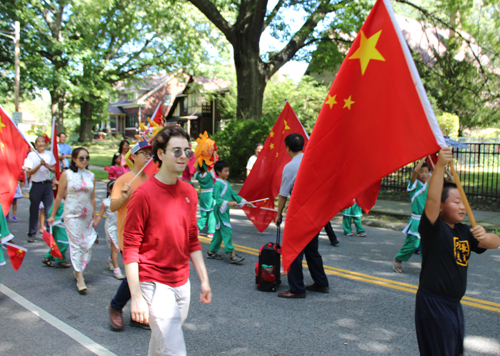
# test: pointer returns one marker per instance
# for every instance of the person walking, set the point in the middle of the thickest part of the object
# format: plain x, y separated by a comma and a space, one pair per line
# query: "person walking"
64, 150
79, 212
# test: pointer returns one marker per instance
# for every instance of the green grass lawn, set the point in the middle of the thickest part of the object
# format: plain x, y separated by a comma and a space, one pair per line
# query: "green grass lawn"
100, 174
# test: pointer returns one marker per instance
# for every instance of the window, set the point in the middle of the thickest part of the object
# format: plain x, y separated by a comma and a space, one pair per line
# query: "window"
112, 122
194, 100
130, 121
167, 99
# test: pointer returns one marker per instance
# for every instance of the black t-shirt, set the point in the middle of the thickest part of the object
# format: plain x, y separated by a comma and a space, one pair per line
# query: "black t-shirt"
445, 256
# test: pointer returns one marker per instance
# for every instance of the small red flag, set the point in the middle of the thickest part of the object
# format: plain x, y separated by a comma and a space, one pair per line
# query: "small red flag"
376, 119
55, 152
158, 115
151, 169
264, 180
13, 150
16, 255
49, 240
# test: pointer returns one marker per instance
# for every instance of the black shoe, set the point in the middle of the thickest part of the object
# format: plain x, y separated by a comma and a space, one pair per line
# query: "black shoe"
139, 325
335, 243
315, 288
31, 238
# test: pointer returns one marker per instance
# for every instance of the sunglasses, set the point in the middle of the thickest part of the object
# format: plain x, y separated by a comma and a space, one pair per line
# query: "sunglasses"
178, 152
146, 154
84, 158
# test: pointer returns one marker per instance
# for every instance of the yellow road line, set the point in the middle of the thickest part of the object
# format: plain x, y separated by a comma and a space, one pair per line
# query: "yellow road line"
383, 282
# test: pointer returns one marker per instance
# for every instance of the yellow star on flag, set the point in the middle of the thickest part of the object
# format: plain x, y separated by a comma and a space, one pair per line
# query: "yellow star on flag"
276, 154
286, 127
271, 146
271, 134
1, 124
331, 100
367, 51
348, 102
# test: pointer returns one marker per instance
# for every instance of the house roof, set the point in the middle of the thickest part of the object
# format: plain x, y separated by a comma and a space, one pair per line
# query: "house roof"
214, 84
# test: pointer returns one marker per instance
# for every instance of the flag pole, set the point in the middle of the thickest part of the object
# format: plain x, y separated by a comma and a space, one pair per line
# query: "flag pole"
462, 195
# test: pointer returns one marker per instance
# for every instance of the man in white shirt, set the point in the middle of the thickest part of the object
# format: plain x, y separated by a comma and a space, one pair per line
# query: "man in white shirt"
40, 164
251, 160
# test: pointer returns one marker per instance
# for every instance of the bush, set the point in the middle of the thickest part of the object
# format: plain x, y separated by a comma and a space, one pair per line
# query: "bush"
449, 124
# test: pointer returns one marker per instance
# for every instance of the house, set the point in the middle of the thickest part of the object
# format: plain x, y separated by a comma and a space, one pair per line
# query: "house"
183, 100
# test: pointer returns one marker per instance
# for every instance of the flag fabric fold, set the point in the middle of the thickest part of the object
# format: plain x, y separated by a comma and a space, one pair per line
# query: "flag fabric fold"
264, 180
16, 255
158, 115
376, 119
49, 240
13, 150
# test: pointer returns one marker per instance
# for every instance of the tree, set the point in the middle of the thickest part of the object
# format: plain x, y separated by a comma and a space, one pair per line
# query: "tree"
243, 22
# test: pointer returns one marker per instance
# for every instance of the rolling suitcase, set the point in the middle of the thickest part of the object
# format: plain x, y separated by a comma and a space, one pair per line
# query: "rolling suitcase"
267, 269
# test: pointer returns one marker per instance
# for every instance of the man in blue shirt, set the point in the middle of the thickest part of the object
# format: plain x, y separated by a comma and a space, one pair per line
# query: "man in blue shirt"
64, 150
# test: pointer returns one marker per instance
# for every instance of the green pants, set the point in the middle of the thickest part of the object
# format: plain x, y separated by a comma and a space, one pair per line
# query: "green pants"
204, 216
60, 237
346, 224
224, 233
411, 244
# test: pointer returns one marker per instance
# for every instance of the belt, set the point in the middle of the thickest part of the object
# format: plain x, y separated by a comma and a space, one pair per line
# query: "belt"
207, 190
42, 182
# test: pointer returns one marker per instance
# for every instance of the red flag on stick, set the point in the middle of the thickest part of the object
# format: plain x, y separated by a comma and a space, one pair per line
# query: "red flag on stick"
13, 150
16, 255
158, 115
55, 151
151, 169
265, 177
49, 240
375, 119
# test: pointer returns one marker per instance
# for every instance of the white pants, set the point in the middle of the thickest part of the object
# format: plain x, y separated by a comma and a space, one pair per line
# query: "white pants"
168, 308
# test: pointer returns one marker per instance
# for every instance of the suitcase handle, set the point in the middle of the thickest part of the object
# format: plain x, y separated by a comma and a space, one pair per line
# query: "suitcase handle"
278, 236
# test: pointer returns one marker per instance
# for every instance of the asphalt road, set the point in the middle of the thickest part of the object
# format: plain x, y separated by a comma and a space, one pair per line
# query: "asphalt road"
369, 310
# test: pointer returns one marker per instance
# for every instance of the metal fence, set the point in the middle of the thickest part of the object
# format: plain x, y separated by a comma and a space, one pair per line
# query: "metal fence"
477, 167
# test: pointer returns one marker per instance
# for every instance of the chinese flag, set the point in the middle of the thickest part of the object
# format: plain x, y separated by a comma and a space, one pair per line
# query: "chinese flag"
151, 168
49, 240
158, 116
16, 255
265, 177
376, 119
55, 151
13, 150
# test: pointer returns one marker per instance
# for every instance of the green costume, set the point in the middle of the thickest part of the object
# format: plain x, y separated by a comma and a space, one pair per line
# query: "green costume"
206, 181
418, 198
352, 214
223, 193
59, 233
5, 235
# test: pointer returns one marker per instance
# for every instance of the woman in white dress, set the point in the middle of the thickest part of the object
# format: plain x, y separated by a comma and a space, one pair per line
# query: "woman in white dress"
79, 211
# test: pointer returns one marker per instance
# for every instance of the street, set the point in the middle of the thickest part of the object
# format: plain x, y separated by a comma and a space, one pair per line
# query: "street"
369, 310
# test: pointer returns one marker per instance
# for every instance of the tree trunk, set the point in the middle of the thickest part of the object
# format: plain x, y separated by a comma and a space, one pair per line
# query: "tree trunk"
251, 80
57, 108
86, 109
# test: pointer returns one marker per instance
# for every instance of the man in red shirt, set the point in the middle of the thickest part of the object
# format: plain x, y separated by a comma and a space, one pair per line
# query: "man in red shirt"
157, 249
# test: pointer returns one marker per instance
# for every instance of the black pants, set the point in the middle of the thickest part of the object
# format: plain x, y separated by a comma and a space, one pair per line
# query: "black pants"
39, 192
315, 264
331, 234
439, 322
122, 295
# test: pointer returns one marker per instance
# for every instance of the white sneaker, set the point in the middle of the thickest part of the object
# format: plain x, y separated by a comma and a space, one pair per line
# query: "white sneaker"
118, 275
110, 265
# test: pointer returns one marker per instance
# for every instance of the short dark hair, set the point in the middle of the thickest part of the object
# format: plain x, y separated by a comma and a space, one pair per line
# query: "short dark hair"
219, 166
74, 155
424, 165
447, 186
258, 144
110, 187
161, 139
117, 154
295, 142
62, 133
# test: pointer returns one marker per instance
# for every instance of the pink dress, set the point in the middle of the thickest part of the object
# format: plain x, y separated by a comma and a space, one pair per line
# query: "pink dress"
115, 172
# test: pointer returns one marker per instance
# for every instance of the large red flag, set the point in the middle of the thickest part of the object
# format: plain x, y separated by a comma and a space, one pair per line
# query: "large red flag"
55, 151
13, 150
158, 115
265, 177
375, 119
16, 255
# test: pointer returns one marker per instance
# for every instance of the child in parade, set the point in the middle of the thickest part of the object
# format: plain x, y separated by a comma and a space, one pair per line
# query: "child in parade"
353, 214
418, 189
60, 237
111, 232
446, 246
225, 198
17, 195
116, 170
206, 181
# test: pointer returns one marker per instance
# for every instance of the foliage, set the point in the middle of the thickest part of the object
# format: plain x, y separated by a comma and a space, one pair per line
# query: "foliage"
448, 124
